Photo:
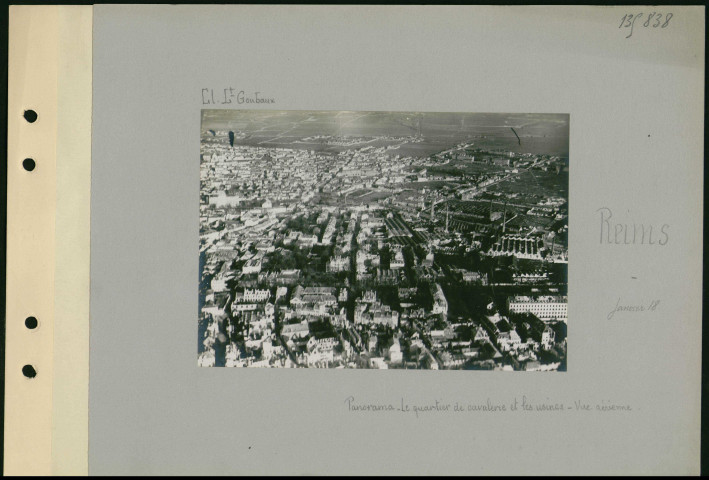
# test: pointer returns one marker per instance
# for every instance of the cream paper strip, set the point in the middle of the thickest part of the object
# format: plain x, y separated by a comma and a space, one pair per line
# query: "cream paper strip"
49, 71
72, 243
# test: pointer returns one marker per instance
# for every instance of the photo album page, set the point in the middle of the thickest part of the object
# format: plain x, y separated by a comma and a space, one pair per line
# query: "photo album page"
399, 240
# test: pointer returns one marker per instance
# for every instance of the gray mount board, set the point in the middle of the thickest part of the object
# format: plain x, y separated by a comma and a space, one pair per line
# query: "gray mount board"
154, 411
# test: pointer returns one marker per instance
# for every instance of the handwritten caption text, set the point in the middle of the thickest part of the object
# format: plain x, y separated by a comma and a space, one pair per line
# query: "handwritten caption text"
516, 404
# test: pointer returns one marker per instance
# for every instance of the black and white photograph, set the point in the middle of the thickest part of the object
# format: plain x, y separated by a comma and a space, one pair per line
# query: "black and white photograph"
410, 240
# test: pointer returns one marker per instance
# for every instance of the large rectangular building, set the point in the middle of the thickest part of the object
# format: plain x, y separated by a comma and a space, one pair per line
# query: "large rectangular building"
544, 307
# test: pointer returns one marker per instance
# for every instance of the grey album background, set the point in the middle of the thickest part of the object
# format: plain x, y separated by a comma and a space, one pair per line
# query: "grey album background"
154, 411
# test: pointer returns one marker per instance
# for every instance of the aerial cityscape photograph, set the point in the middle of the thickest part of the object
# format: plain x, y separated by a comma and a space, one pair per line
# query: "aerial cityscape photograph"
383, 240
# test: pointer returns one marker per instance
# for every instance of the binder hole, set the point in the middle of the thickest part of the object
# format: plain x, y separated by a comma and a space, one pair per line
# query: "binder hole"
29, 371
30, 116
28, 164
31, 323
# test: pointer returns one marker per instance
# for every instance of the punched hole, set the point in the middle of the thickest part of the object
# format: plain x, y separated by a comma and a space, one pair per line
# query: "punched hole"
30, 116
28, 164
31, 323
29, 371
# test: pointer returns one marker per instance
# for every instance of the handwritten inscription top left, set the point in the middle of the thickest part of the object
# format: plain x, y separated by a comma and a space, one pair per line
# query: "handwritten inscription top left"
230, 95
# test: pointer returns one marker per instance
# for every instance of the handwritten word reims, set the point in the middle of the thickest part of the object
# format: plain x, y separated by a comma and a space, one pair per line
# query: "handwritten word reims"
621, 233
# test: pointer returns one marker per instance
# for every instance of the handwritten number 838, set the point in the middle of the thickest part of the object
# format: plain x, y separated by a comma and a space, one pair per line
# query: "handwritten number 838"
653, 20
